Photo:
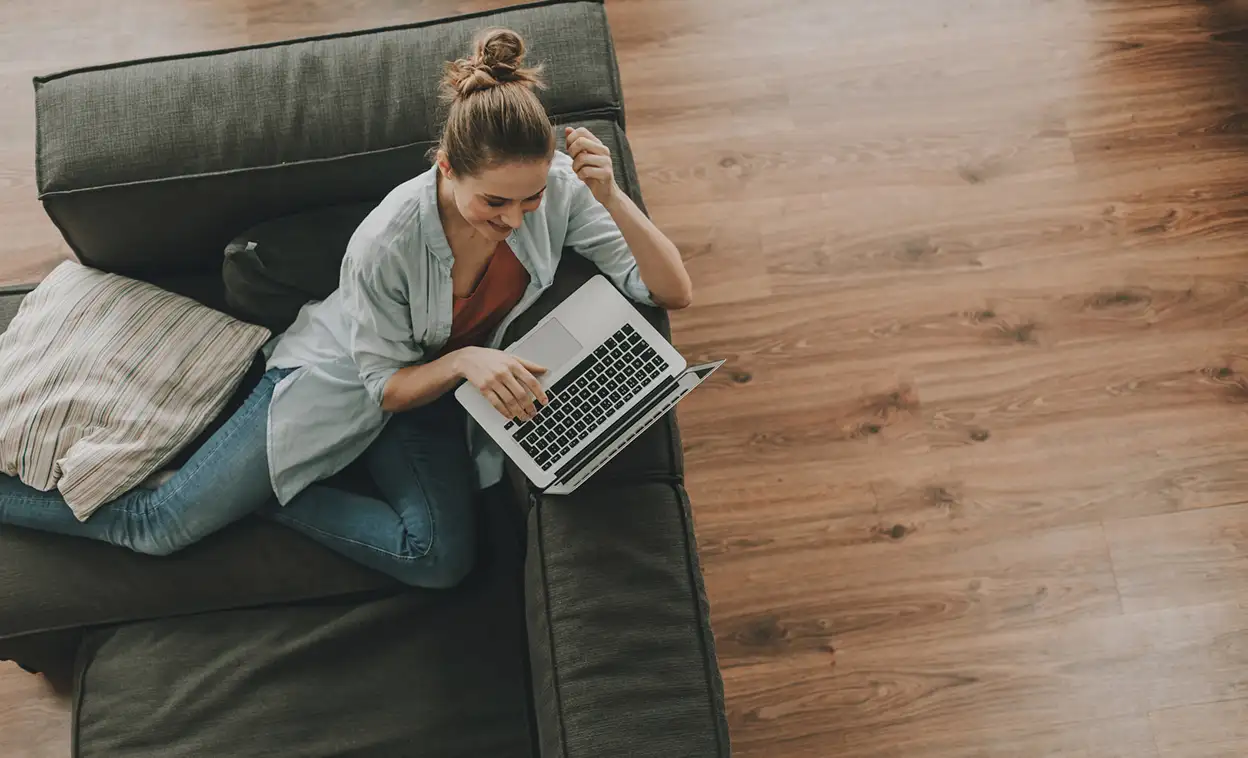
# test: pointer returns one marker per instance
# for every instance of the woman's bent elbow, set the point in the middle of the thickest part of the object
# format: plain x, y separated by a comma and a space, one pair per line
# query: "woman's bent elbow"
390, 400
678, 301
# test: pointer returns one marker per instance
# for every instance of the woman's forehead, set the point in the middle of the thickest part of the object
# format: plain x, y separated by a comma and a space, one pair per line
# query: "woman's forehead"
513, 181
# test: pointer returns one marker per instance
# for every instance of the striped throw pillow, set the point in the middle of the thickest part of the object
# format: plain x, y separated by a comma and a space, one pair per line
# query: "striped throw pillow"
104, 378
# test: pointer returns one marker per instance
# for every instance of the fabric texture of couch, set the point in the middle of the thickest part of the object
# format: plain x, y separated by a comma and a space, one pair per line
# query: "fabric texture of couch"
584, 630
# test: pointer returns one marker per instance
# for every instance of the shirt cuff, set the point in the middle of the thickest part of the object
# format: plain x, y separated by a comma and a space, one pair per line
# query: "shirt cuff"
375, 383
636, 289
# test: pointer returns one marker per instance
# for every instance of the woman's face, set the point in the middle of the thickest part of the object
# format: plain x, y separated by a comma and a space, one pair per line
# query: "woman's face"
494, 203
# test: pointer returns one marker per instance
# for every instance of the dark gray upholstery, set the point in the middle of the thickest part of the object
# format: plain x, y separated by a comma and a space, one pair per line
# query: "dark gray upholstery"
273, 269
10, 301
618, 620
49, 582
593, 642
619, 628
154, 165
417, 674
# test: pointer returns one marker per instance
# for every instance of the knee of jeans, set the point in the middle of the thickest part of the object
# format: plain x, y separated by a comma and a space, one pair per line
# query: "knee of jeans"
155, 545
447, 563
155, 538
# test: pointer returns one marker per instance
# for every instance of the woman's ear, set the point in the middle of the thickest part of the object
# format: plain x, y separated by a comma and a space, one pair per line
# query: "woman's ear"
444, 165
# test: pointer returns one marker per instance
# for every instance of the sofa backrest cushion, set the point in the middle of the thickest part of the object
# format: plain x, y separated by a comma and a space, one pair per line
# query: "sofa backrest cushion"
138, 159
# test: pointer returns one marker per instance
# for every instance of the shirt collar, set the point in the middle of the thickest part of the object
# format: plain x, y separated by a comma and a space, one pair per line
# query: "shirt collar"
429, 218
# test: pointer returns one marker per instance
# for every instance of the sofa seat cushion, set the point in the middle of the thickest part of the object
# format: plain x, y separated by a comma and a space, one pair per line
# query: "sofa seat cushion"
438, 673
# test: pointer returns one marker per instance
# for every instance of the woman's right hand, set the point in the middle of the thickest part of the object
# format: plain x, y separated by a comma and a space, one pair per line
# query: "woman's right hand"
506, 380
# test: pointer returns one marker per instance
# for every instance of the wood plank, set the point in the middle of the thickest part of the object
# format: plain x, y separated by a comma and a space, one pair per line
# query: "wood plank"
34, 720
887, 590
1207, 730
1181, 558
1076, 672
1127, 737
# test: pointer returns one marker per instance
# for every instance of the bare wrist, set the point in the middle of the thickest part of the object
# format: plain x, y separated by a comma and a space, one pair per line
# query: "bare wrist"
455, 360
615, 199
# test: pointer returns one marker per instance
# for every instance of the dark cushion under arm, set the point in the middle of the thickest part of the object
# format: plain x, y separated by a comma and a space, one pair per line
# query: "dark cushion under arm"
619, 630
274, 268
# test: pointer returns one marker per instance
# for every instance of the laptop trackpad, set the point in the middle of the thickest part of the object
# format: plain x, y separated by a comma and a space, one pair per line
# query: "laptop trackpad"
550, 346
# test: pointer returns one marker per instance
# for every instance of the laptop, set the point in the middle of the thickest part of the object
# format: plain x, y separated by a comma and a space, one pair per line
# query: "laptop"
610, 375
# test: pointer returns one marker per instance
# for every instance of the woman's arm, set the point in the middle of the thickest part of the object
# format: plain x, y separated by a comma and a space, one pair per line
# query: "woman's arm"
505, 380
658, 261
381, 327
414, 386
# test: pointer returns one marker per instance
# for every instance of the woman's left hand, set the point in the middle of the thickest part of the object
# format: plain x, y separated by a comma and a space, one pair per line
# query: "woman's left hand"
592, 162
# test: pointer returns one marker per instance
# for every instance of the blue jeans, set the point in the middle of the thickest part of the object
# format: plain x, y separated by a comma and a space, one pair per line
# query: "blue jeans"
422, 533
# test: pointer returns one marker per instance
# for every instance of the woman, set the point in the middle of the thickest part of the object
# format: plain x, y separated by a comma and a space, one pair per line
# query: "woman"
430, 281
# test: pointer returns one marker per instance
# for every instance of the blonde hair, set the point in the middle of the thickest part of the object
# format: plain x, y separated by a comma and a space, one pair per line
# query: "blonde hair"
494, 115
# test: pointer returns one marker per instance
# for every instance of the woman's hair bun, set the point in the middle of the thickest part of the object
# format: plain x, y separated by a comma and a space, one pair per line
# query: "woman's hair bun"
497, 59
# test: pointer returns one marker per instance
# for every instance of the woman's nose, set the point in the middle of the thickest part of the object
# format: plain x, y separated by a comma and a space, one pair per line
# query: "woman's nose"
513, 216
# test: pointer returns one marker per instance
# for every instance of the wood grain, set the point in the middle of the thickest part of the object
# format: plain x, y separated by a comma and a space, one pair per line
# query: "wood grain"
34, 720
1200, 555
1208, 730
1079, 671
1000, 308
972, 481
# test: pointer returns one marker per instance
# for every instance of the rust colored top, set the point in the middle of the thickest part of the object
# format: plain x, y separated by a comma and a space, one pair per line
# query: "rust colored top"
498, 291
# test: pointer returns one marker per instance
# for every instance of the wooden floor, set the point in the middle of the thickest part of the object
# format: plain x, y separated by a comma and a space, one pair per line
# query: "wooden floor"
975, 481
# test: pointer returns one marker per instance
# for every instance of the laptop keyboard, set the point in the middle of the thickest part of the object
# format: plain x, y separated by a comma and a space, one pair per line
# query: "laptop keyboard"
585, 397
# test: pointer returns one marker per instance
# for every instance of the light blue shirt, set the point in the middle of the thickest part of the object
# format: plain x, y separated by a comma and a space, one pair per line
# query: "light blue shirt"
393, 308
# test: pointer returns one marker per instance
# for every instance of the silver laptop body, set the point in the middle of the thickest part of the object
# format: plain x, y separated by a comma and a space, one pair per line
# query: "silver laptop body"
610, 375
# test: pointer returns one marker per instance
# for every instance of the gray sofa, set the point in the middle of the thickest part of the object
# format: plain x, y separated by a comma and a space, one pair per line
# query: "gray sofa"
582, 631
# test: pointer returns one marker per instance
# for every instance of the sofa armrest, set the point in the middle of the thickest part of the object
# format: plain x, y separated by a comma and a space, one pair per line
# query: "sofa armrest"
49, 582
619, 631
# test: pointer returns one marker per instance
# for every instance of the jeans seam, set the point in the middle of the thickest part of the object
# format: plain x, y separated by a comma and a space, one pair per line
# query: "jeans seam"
339, 538
134, 510
424, 493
